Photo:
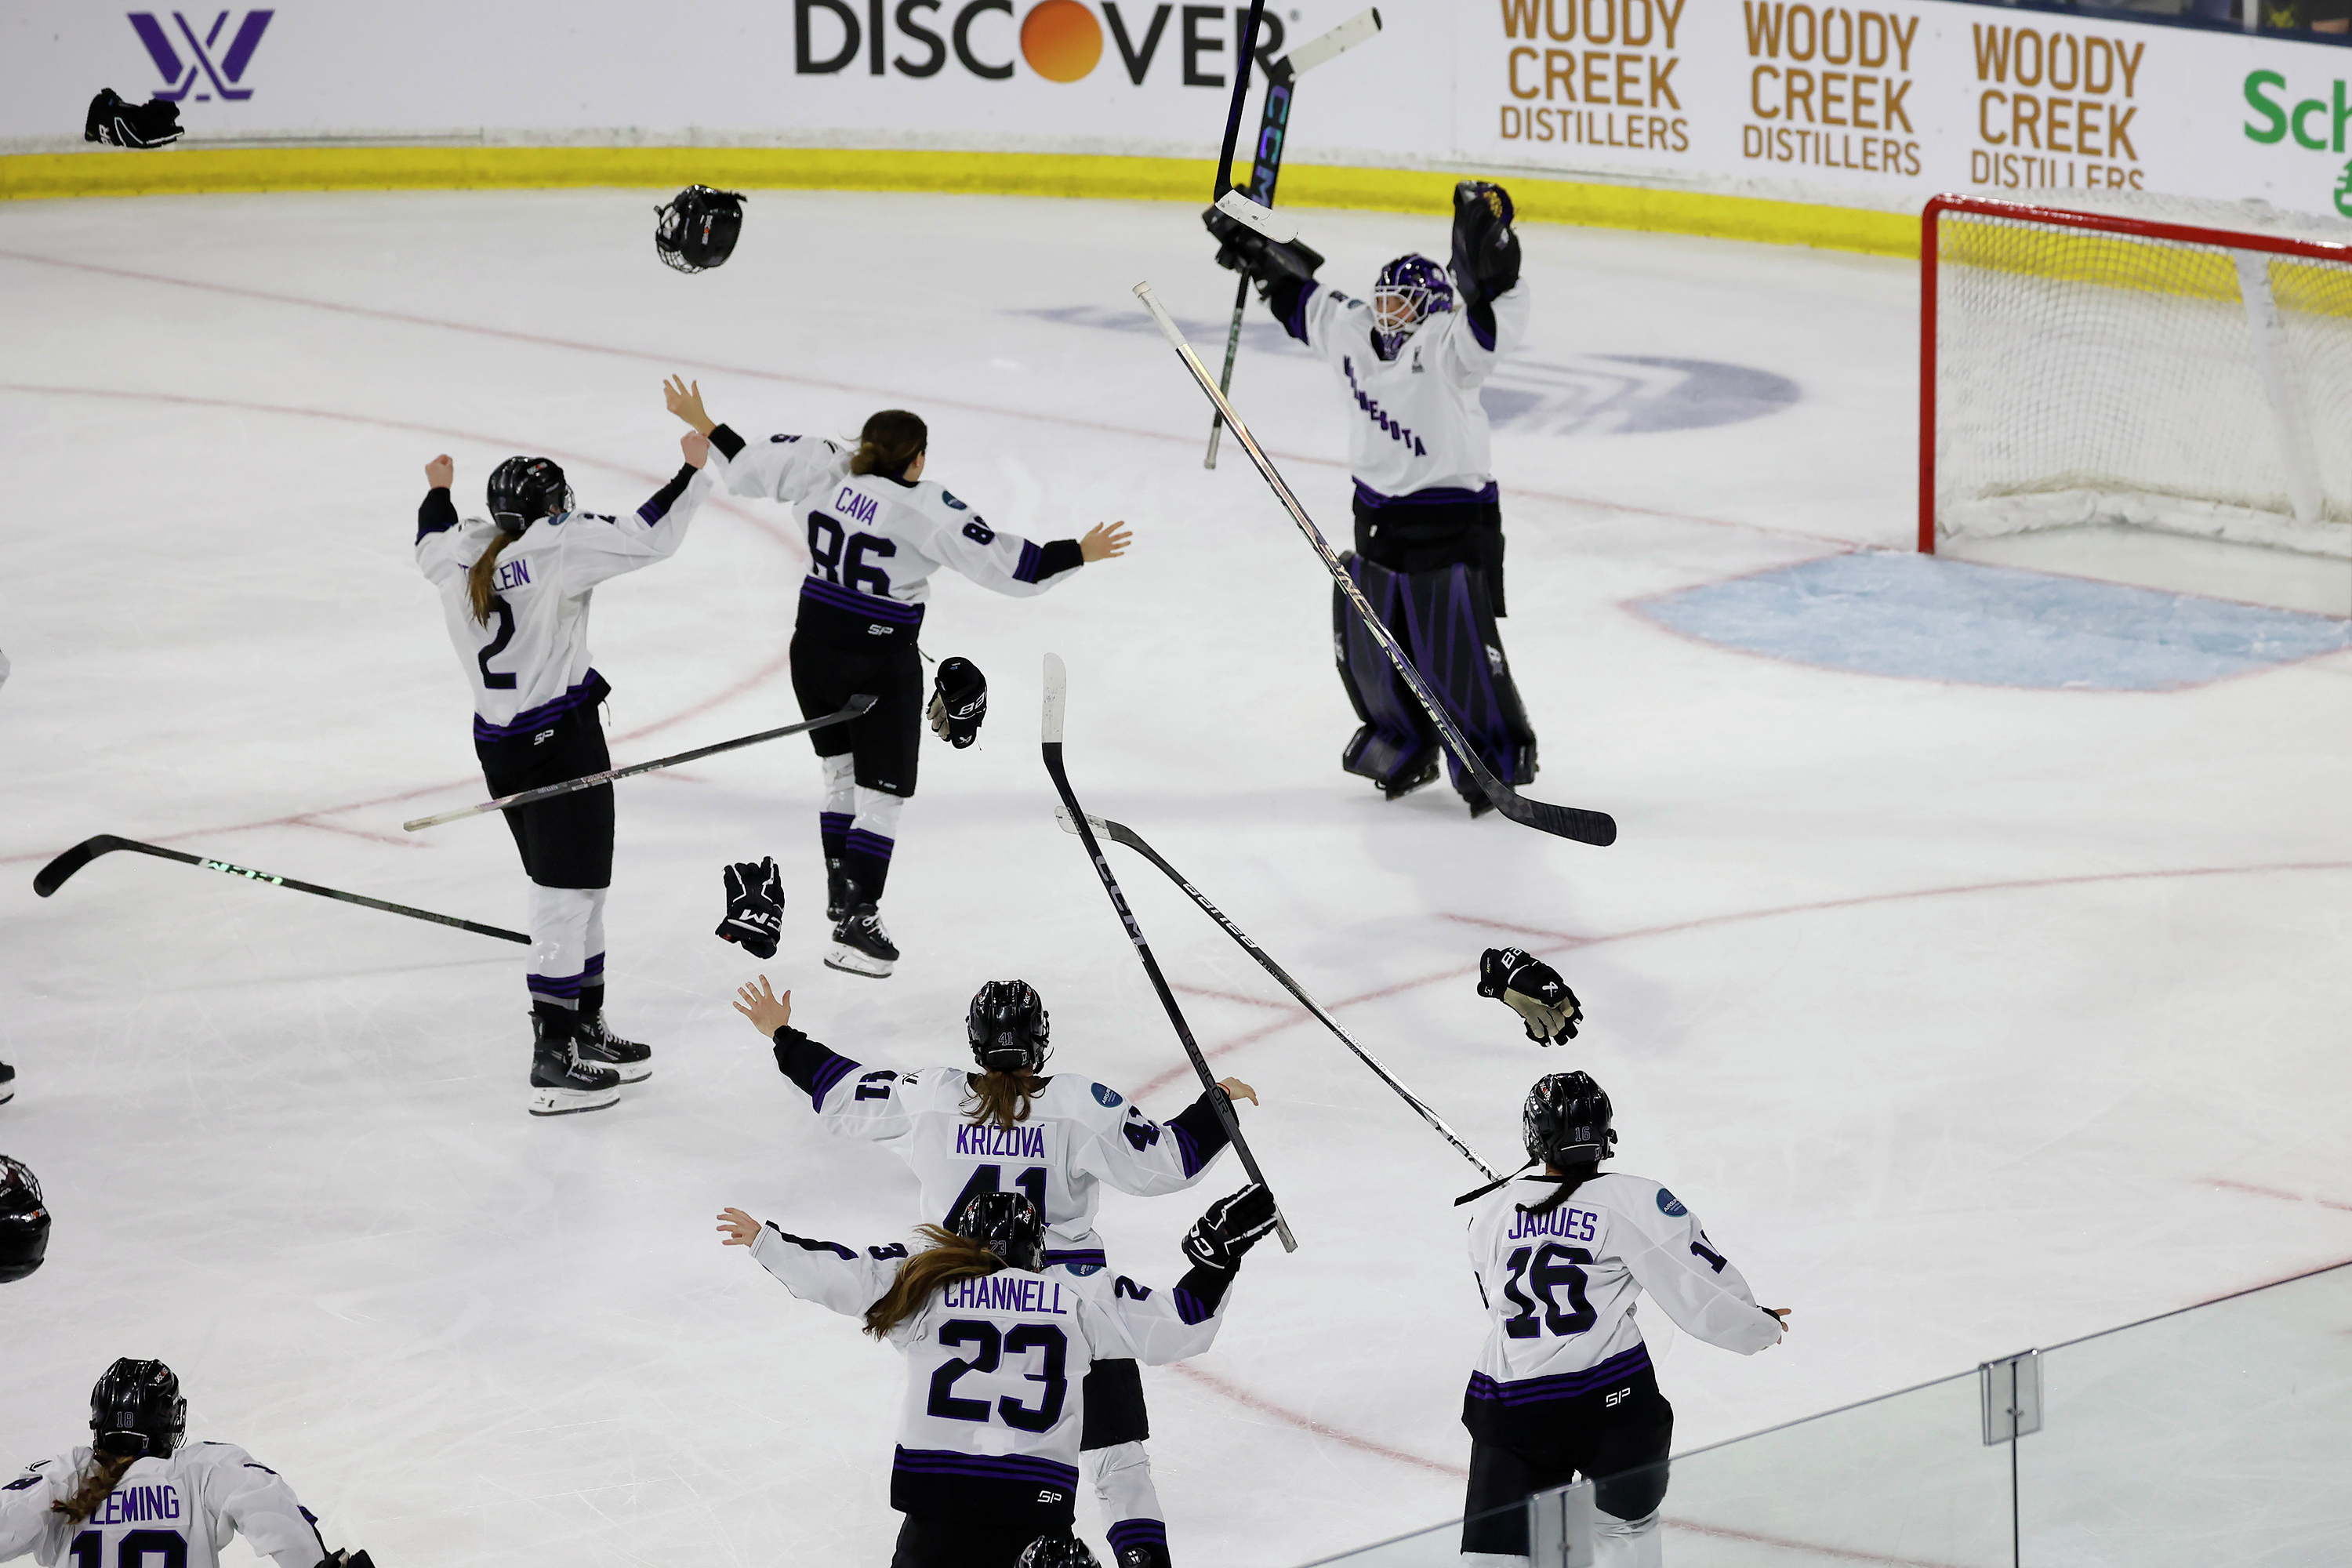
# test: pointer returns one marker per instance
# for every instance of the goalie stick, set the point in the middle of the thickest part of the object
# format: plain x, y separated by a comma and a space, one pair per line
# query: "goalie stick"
1119, 833
848, 710
1056, 690
53, 875
1266, 167
1595, 827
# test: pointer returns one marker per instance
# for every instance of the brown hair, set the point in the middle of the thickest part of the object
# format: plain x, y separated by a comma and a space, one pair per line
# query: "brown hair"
1002, 1098
950, 1257
891, 439
477, 576
105, 1475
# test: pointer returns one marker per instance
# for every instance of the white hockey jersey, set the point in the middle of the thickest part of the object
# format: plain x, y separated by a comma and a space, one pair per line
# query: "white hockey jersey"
874, 542
173, 1512
1078, 1134
1560, 1290
993, 1408
1420, 433
529, 663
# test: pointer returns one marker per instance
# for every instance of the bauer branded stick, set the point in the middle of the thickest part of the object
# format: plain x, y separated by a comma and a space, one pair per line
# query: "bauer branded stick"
1056, 690
848, 711
1265, 166
53, 875
1596, 827
1119, 833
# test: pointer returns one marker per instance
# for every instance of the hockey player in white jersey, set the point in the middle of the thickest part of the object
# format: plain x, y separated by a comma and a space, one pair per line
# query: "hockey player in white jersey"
1429, 523
1058, 1139
998, 1345
515, 593
1563, 1385
876, 531
139, 1497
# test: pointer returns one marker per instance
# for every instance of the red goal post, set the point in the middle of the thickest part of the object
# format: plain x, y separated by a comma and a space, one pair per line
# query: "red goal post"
2086, 366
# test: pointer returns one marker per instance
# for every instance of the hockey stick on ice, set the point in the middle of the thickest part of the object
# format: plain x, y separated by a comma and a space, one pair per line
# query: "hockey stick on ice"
53, 875
1596, 827
842, 715
1265, 166
1056, 690
1119, 833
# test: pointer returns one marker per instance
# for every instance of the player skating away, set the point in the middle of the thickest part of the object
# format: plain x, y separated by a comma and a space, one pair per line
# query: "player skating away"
1056, 1138
1429, 525
1563, 1385
876, 531
998, 1348
136, 1496
515, 592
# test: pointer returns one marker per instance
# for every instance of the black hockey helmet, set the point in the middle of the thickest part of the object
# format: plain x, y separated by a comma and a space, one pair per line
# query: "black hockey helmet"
1057, 1551
1007, 1224
24, 1221
696, 228
1008, 1028
1567, 1121
136, 1409
524, 489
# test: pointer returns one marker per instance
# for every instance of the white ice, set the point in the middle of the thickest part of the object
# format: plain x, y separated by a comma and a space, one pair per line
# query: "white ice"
1968, 1019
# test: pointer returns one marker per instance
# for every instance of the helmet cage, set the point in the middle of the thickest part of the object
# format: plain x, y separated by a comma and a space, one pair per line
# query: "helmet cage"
1408, 292
1008, 1225
698, 227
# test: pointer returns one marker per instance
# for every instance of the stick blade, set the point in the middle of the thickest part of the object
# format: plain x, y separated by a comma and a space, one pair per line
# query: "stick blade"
53, 875
1058, 681
1355, 30
1597, 828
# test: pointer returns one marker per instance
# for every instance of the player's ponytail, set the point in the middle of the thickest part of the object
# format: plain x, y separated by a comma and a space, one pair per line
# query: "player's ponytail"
105, 1475
948, 1258
478, 576
1002, 1098
1575, 1177
891, 439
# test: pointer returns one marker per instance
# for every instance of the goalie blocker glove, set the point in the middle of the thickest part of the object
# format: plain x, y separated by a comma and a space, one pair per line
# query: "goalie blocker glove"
1232, 1227
1486, 245
1241, 248
1534, 990
958, 702
755, 906
153, 123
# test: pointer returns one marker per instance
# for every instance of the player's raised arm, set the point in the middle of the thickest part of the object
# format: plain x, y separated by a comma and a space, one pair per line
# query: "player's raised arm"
1147, 1158
1167, 1327
777, 468
825, 1272
852, 1098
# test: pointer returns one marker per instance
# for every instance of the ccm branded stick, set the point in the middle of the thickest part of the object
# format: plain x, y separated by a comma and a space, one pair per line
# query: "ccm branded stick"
1119, 833
1596, 827
842, 715
1056, 691
1266, 165
53, 875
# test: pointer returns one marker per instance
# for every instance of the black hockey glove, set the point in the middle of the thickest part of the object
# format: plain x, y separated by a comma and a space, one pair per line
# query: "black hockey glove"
1232, 1227
1241, 248
1485, 246
153, 123
1534, 990
339, 1558
958, 702
755, 906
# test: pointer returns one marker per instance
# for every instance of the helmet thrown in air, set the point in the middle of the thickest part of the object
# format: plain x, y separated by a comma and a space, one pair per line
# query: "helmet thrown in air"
1567, 1121
524, 489
1007, 1224
136, 1409
696, 228
24, 1221
1008, 1028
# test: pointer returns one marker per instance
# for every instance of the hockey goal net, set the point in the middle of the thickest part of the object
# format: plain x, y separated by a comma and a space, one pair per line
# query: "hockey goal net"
2126, 368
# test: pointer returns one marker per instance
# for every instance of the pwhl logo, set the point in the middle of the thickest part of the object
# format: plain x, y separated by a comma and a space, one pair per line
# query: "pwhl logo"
1060, 40
224, 73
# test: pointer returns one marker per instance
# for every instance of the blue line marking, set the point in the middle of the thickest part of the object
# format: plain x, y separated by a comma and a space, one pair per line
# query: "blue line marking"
1921, 617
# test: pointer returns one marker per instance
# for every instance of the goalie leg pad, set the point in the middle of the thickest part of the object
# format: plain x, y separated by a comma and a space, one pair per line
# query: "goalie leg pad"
1459, 652
1397, 746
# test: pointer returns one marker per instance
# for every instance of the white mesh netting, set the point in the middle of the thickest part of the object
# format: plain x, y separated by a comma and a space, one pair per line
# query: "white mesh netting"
2096, 376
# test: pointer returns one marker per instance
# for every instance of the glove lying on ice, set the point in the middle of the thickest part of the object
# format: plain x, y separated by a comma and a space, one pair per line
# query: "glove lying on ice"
1535, 991
153, 123
755, 906
959, 701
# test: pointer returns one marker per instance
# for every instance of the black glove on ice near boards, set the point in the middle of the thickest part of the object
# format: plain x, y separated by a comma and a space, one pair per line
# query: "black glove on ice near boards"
153, 123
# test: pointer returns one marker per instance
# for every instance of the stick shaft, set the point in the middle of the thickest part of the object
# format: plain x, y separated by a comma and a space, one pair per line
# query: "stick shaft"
1233, 351
1241, 96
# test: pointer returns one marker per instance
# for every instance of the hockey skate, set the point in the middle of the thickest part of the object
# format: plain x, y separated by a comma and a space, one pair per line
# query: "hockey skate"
561, 1081
599, 1047
860, 945
836, 892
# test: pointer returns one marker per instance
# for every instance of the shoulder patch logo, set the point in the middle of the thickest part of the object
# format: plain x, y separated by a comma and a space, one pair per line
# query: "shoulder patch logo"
1109, 1096
949, 496
1670, 1205
1083, 1269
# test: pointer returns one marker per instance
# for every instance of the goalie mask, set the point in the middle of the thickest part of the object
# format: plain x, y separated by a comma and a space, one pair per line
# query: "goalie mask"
136, 1409
697, 228
524, 489
24, 1221
1567, 1121
1407, 293
1008, 1028
1008, 1225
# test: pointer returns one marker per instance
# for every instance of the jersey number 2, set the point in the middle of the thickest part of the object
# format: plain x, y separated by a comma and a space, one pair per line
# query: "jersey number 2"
1045, 1337
491, 679
1552, 1266
89, 1549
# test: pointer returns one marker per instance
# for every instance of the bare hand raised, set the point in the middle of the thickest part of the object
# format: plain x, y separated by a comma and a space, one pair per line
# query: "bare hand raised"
684, 399
1236, 1090
696, 449
767, 1011
440, 471
1103, 541
740, 1228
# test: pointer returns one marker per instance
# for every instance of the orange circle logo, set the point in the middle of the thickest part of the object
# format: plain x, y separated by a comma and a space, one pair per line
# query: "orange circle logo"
1061, 40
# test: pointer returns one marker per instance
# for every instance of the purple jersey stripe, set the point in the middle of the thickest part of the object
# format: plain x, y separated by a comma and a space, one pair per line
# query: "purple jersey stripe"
988, 1466
1187, 1149
1481, 333
809, 1244
1295, 323
1436, 495
1190, 1307
850, 599
1565, 1386
1081, 1255
834, 821
530, 718
1031, 556
1132, 1532
871, 842
832, 1072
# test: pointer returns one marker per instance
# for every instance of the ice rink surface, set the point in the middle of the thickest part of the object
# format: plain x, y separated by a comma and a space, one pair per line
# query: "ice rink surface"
1969, 1018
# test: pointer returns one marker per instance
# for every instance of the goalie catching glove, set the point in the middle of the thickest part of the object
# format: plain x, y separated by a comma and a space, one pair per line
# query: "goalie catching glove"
755, 906
958, 702
1241, 248
1485, 246
1534, 990
153, 123
1232, 1227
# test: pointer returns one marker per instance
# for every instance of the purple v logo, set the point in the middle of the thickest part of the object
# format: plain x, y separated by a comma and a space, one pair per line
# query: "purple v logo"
182, 78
